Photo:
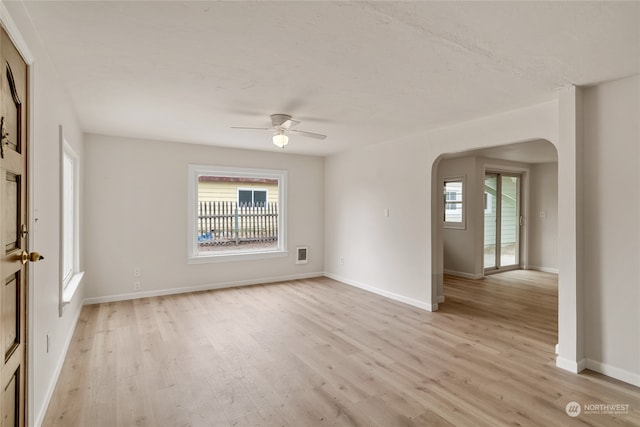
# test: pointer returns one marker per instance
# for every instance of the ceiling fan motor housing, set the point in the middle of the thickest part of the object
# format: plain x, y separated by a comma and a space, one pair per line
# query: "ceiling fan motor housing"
278, 120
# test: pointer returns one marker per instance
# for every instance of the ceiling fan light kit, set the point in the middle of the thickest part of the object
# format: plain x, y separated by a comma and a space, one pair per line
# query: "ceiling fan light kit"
280, 139
281, 125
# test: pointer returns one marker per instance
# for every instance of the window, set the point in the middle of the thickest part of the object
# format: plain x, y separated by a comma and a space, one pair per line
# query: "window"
70, 275
68, 215
251, 198
453, 191
236, 213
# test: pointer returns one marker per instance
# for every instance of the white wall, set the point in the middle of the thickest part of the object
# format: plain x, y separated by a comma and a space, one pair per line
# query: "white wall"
612, 231
363, 247
136, 216
50, 108
543, 243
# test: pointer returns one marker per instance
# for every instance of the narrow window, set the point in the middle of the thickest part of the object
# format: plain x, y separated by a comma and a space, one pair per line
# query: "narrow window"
453, 191
68, 215
70, 274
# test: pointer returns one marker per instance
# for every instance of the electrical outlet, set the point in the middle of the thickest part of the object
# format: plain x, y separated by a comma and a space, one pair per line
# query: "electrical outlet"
49, 339
341, 260
137, 285
137, 272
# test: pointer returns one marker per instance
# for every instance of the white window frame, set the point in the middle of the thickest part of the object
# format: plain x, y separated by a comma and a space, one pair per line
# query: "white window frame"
69, 281
195, 257
461, 225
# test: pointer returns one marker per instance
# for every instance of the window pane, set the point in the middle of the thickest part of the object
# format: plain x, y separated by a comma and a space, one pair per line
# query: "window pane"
68, 213
509, 229
237, 214
490, 220
453, 197
259, 198
245, 197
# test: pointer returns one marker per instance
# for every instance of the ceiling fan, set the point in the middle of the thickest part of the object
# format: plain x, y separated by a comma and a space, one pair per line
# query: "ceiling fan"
281, 125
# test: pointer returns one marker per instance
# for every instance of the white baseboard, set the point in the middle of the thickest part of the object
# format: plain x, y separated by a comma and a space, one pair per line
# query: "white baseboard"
464, 275
543, 269
207, 287
570, 365
612, 371
632, 378
382, 292
58, 369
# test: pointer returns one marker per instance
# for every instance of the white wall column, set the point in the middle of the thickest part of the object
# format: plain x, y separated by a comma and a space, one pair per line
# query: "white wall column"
570, 220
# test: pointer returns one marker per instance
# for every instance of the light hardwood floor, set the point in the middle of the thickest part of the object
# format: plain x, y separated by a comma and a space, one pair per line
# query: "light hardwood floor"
320, 353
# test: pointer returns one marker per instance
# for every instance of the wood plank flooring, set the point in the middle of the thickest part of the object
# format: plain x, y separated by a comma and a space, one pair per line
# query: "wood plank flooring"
320, 353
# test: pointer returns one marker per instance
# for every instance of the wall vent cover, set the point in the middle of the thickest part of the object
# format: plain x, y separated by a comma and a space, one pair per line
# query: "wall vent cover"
302, 254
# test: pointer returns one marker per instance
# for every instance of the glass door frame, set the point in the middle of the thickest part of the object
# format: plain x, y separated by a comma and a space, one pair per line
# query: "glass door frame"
497, 267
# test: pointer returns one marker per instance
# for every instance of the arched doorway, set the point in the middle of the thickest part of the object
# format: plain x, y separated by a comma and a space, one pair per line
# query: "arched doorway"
460, 246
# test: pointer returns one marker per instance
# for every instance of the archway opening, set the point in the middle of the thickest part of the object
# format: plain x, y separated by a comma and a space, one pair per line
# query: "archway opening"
462, 208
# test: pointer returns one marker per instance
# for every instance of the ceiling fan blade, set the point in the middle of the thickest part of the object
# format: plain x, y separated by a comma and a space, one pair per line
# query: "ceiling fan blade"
308, 134
288, 124
244, 127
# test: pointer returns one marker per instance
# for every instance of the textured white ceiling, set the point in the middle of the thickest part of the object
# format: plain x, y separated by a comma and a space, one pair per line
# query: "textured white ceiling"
360, 72
539, 151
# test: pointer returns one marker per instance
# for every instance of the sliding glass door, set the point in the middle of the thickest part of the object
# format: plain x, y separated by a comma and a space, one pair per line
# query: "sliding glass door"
501, 222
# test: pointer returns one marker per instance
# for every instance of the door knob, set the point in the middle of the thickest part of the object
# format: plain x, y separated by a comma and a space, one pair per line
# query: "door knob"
33, 257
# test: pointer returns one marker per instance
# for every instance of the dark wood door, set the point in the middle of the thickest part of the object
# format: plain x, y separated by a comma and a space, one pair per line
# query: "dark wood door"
13, 218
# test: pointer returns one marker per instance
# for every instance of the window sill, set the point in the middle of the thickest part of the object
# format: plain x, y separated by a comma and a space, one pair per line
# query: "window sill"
237, 256
455, 226
71, 288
